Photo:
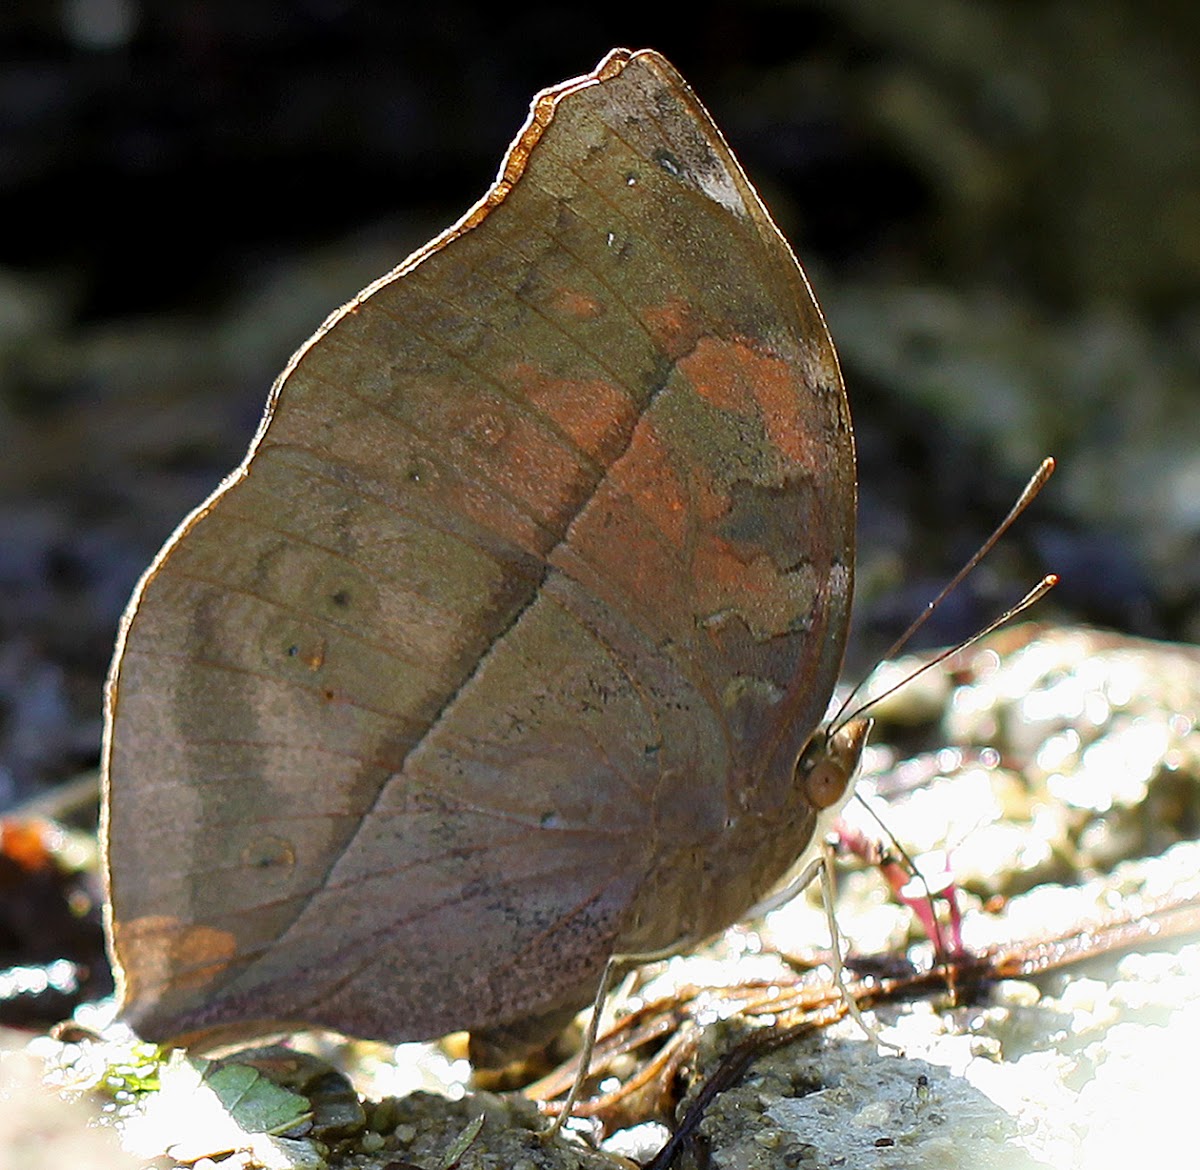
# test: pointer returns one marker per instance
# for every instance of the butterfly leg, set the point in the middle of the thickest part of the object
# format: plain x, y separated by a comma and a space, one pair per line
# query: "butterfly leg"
824, 864
821, 866
617, 967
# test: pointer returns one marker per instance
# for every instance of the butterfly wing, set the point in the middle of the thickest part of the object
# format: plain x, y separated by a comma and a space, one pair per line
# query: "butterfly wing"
531, 588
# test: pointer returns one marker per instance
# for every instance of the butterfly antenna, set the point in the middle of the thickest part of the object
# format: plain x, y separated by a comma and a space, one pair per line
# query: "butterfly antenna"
1039, 590
1029, 493
1034, 595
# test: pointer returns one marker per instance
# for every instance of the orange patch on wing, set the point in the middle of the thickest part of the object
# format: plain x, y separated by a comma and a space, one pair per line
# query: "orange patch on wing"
728, 584
647, 476
709, 502
673, 327
733, 376
722, 570
595, 414
502, 449
613, 534
160, 954
572, 303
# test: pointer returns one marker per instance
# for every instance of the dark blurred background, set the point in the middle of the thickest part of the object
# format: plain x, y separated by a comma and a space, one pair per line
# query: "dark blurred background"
998, 204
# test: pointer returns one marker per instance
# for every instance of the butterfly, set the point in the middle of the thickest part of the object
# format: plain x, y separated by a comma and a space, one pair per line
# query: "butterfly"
504, 650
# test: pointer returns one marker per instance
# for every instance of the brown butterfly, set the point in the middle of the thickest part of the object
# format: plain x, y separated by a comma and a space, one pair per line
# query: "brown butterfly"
499, 654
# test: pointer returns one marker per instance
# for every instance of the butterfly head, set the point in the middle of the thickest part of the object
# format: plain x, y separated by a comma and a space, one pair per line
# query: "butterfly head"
827, 765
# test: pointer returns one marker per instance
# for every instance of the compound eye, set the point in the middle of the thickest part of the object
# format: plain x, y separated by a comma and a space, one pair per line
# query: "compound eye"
826, 784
